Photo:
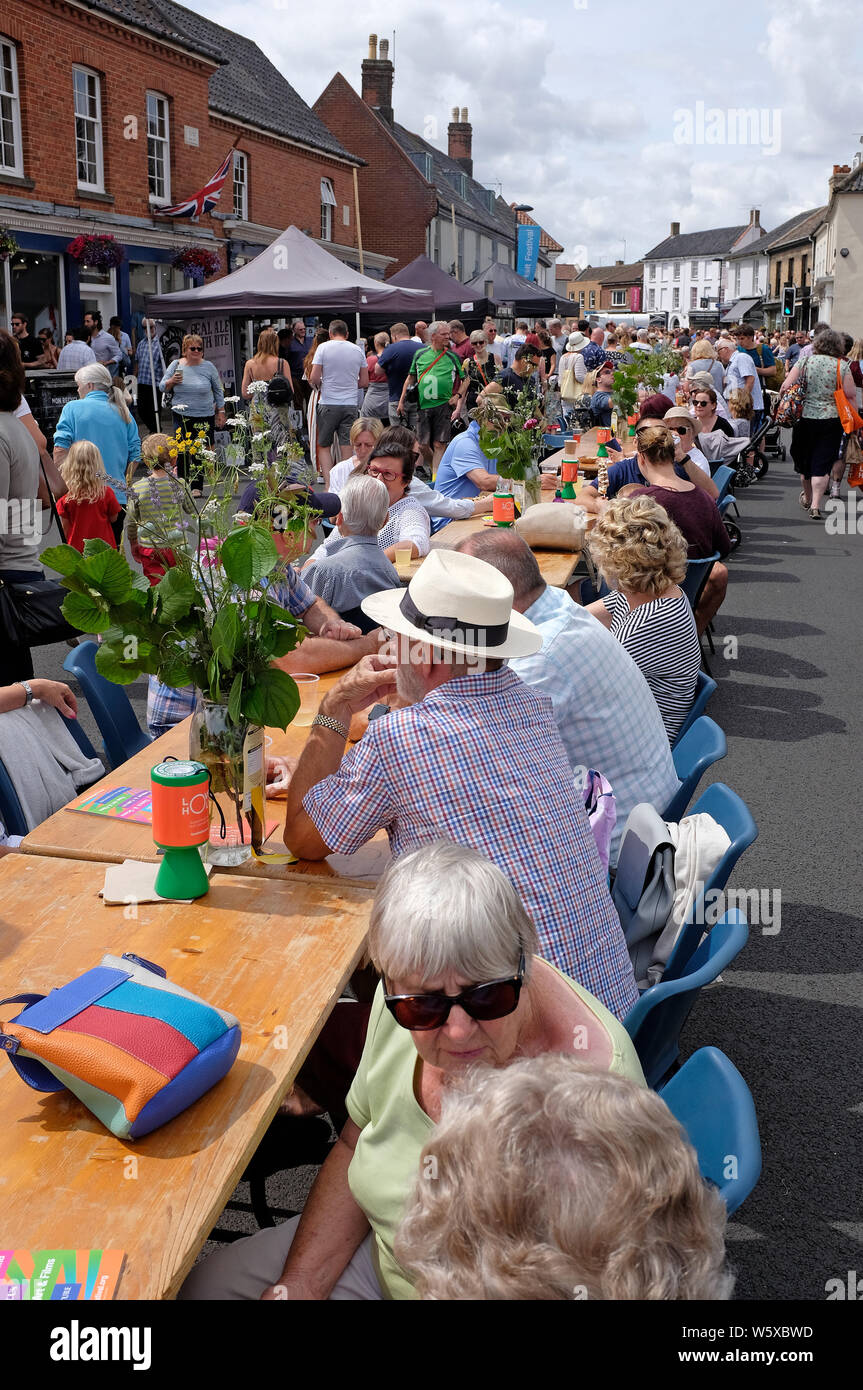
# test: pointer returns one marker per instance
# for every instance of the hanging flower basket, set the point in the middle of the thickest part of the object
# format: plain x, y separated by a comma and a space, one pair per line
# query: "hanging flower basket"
101, 252
8, 244
197, 262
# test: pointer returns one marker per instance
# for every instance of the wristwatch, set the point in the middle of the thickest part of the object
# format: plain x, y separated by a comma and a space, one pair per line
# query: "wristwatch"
28, 691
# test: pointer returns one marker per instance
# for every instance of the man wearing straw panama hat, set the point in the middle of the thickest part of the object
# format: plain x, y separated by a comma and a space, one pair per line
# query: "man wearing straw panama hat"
475, 756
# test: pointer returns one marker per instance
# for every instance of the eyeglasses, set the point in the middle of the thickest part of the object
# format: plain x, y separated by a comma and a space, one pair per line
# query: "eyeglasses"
422, 1012
194, 349
697, 403
384, 475
681, 429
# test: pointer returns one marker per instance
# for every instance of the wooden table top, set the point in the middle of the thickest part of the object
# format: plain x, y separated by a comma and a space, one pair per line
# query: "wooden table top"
73, 835
275, 955
556, 566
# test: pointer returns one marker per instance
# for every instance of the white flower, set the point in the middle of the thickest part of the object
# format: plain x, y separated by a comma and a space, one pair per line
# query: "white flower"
209, 455
257, 467
180, 408
257, 388
261, 434
237, 422
231, 400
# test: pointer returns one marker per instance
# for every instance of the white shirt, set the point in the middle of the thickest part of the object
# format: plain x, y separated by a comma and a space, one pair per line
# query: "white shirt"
341, 363
740, 368
435, 503
23, 409
640, 347
699, 459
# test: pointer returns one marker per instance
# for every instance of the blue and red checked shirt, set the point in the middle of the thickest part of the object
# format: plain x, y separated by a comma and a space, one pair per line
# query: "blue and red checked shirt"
480, 761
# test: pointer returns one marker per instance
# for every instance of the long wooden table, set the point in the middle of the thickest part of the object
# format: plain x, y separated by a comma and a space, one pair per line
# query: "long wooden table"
275, 955
73, 835
556, 566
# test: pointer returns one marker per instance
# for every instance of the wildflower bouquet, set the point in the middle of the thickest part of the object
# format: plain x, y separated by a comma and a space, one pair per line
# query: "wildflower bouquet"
512, 437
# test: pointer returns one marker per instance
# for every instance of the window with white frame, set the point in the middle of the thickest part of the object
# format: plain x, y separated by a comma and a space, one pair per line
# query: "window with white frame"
675, 270
618, 299
675, 298
10, 111
737, 280
158, 148
88, 129
693, 269
241, 186
593, 299
652, 269
651, 299
328, 202
693, 296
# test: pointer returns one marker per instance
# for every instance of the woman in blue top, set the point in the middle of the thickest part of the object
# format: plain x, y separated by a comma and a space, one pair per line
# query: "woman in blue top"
198, 400
101, 416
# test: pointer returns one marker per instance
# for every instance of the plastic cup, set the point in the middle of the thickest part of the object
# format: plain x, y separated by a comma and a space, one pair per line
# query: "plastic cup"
402, 560
308, 688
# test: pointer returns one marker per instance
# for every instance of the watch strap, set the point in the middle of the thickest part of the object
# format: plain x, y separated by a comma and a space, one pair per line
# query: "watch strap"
28, 691
327, 723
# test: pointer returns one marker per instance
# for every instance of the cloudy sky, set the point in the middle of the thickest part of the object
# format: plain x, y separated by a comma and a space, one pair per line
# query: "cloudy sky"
613, 119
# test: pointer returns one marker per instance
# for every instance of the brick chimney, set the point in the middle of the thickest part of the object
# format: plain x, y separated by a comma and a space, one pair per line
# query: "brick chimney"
839, 172
460, 137
618, 262
675, 229
754, 217
377, 74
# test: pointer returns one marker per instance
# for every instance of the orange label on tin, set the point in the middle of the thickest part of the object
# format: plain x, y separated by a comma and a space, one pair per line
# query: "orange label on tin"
181, 815
569, 470
503, 509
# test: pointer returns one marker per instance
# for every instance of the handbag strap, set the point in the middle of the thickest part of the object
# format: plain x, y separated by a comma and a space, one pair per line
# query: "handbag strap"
53, 505
34, 1073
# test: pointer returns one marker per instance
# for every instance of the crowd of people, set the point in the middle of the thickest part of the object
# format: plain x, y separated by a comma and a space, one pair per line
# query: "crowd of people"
494, 933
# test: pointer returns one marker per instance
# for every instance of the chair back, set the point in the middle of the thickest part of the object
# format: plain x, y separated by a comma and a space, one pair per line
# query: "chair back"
702, 745
654, 1023
112, 710
705, 687
11, 810
80, 737
723, 478
697, 572
732, 813
713, 1103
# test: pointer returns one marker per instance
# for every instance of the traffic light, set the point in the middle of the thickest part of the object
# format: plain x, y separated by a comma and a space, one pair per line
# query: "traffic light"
788, 301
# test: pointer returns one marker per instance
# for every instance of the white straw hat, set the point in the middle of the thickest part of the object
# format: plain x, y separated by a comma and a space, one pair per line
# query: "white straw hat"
458, 603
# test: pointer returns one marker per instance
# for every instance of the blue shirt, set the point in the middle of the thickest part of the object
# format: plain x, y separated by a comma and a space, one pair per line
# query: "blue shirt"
142, 358
96, 419
461, 457
395, 362
592, 355
792, 355
604, 709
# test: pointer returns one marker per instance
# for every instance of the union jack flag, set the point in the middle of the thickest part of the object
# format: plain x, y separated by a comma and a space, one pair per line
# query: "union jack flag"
205, 199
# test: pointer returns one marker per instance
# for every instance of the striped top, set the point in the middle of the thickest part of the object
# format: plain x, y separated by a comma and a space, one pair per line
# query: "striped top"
153, 499
662, 640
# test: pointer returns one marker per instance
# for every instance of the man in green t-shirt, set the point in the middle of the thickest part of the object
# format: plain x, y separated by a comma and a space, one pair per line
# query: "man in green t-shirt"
441, 381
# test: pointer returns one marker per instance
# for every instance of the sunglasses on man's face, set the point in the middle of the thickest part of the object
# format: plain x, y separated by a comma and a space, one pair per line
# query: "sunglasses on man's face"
422, 1012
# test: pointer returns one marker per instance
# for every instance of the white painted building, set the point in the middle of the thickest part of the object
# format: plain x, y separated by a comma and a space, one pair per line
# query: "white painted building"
685, 276
837, 279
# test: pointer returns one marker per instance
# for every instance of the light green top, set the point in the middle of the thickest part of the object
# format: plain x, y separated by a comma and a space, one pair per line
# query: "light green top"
382, 1103
821, 386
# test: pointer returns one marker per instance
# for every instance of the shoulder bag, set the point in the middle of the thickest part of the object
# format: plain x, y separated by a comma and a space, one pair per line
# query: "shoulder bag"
31, 612
134, 1048
789, 407
847, 414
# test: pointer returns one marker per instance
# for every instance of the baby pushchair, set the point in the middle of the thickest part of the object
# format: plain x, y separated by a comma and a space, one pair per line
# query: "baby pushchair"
773, 437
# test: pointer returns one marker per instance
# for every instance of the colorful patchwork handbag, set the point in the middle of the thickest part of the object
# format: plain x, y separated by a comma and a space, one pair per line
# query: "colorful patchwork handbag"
133, 1047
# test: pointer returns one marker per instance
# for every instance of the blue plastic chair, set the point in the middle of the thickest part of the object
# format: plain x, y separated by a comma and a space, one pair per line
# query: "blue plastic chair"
723, 478
11, 810
112, 710
702, 745
654, 1023
713, 1103
80, 737
732, 813
705, 687
697, 572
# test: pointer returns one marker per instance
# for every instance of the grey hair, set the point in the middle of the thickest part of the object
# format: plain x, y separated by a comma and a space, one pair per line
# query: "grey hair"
94, 374
437, 326
365, 503
828, 343
642, 335
509, 554
446, 909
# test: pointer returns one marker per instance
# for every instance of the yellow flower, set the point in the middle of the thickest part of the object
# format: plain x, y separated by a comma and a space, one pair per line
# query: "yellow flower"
173, 453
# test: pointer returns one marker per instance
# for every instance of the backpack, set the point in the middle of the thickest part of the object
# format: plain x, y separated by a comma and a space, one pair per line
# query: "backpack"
776, 377
278, 390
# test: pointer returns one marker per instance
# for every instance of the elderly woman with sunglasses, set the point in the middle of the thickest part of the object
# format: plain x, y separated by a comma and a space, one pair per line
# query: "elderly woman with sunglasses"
197, 401
461, 986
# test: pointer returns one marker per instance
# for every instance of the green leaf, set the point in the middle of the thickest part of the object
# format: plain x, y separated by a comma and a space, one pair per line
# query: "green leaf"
63, 559
273, 700
176, 594
248, 554
284, 640
114, 666
140, 582
94, 544
236, 697
108, 571
226, 633
87, 613
174, 672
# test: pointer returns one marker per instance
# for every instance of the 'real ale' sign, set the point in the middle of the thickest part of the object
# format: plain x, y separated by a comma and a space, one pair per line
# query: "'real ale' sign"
215, 334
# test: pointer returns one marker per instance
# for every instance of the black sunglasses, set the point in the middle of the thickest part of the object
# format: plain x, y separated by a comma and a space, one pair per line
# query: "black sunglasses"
681, 429
422, 1012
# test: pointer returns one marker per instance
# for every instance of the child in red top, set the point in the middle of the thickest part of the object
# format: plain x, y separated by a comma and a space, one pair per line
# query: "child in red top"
89, 506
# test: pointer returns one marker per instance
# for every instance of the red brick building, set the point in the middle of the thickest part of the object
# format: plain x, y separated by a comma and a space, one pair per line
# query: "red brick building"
415, 199
114, 109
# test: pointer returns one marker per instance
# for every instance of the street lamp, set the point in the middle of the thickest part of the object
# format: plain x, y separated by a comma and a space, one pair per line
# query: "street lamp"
516, 209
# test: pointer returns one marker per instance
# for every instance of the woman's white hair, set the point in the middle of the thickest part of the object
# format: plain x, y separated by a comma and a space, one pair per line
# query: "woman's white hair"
446, 909
94, 374
365, 503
